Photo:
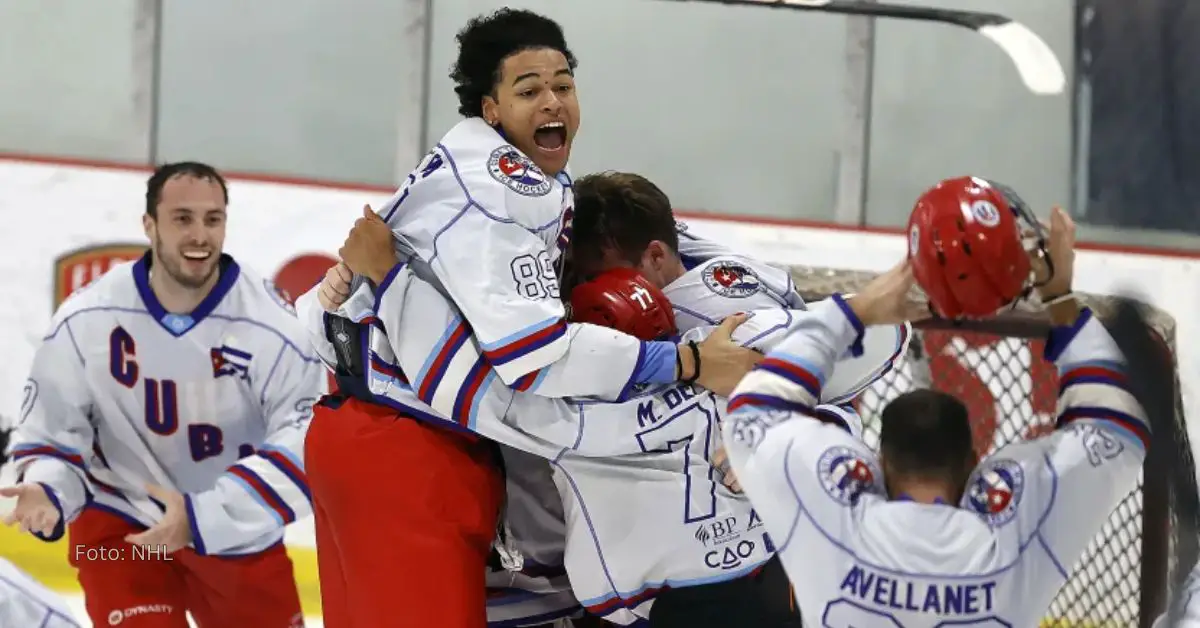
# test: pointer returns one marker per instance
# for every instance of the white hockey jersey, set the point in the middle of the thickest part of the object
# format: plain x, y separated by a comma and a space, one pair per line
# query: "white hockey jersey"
25, 602
654, 514
214, 404
1027, 514
480, 223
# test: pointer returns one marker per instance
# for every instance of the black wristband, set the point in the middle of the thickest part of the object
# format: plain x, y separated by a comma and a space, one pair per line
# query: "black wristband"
696, 363
678, 362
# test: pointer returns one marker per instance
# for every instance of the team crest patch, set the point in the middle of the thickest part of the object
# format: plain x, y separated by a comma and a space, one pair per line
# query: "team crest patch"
845, 474
731, 279
994, 490
518, 172
74, 270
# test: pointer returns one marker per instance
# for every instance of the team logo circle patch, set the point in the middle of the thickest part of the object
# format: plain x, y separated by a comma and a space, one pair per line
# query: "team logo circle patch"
985, 213
730, 279
845, 474
518, 172
995, 489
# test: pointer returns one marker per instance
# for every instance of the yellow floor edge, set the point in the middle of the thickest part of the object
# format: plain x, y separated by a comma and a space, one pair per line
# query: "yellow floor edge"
47, 562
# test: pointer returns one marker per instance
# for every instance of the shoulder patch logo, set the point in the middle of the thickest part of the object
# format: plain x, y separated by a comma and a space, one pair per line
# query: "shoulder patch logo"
731, 279
75, 270
845, 474
995, 489
518, 172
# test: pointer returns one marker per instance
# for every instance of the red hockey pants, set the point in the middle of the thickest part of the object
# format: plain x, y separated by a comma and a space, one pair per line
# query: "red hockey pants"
132, 589
405, 517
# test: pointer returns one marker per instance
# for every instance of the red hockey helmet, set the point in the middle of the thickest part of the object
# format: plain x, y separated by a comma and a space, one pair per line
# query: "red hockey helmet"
970, 241
622, 299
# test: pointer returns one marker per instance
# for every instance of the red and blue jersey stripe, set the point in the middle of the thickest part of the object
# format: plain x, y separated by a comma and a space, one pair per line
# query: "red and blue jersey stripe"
65, 454
262, 492
524, 342
431, 373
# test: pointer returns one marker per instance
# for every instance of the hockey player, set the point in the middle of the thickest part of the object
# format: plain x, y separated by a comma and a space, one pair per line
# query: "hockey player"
484, 219
23, 600
163, 421
920, 536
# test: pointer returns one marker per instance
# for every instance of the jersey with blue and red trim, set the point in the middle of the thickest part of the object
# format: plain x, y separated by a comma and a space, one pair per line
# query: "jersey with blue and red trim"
998, 557
26, 602
213, 404
480, 221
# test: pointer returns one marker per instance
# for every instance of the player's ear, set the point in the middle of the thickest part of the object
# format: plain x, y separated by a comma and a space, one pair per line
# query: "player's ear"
148, 226
491, 111
655, 254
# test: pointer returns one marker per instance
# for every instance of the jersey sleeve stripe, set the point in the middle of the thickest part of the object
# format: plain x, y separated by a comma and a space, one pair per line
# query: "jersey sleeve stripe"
792, 369
435, 368
761, 401
37, 449
287, 467
263, 493
387, 368
1136, 427
528, 381
466, 402
527, 341
1091, 374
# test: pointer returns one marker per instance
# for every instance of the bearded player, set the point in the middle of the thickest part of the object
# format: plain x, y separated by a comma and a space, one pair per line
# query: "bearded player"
920, 535
163, 421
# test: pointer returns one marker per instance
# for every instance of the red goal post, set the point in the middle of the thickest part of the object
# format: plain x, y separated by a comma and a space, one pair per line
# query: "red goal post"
996, 368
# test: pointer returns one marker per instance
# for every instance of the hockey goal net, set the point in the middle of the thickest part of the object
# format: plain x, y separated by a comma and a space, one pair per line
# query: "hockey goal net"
996, 368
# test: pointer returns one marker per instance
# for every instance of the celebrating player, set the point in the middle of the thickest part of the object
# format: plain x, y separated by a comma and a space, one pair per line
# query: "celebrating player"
164, 419
483, 219
620, 557
876, 540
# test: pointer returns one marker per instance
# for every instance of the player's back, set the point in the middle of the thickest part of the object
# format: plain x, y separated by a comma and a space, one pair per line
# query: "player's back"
992, 560
174, 400
1025, 516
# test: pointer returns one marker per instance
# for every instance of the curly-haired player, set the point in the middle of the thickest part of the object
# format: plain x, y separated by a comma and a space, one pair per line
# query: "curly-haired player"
484, 219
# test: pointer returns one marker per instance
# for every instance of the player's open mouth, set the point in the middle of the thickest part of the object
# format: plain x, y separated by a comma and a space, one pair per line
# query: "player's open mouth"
197, 256
551, 136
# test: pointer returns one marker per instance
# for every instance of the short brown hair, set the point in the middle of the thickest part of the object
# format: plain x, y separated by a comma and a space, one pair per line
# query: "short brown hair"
621, 211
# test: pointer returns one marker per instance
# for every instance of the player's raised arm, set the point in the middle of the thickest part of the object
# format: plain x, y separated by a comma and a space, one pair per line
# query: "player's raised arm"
53, 437
1074, 477
267, 489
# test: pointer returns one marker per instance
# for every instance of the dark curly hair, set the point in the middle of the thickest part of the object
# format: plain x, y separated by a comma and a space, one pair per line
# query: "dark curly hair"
486, 41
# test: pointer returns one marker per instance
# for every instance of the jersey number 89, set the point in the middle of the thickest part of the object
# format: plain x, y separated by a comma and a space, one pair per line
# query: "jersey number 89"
534, 276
